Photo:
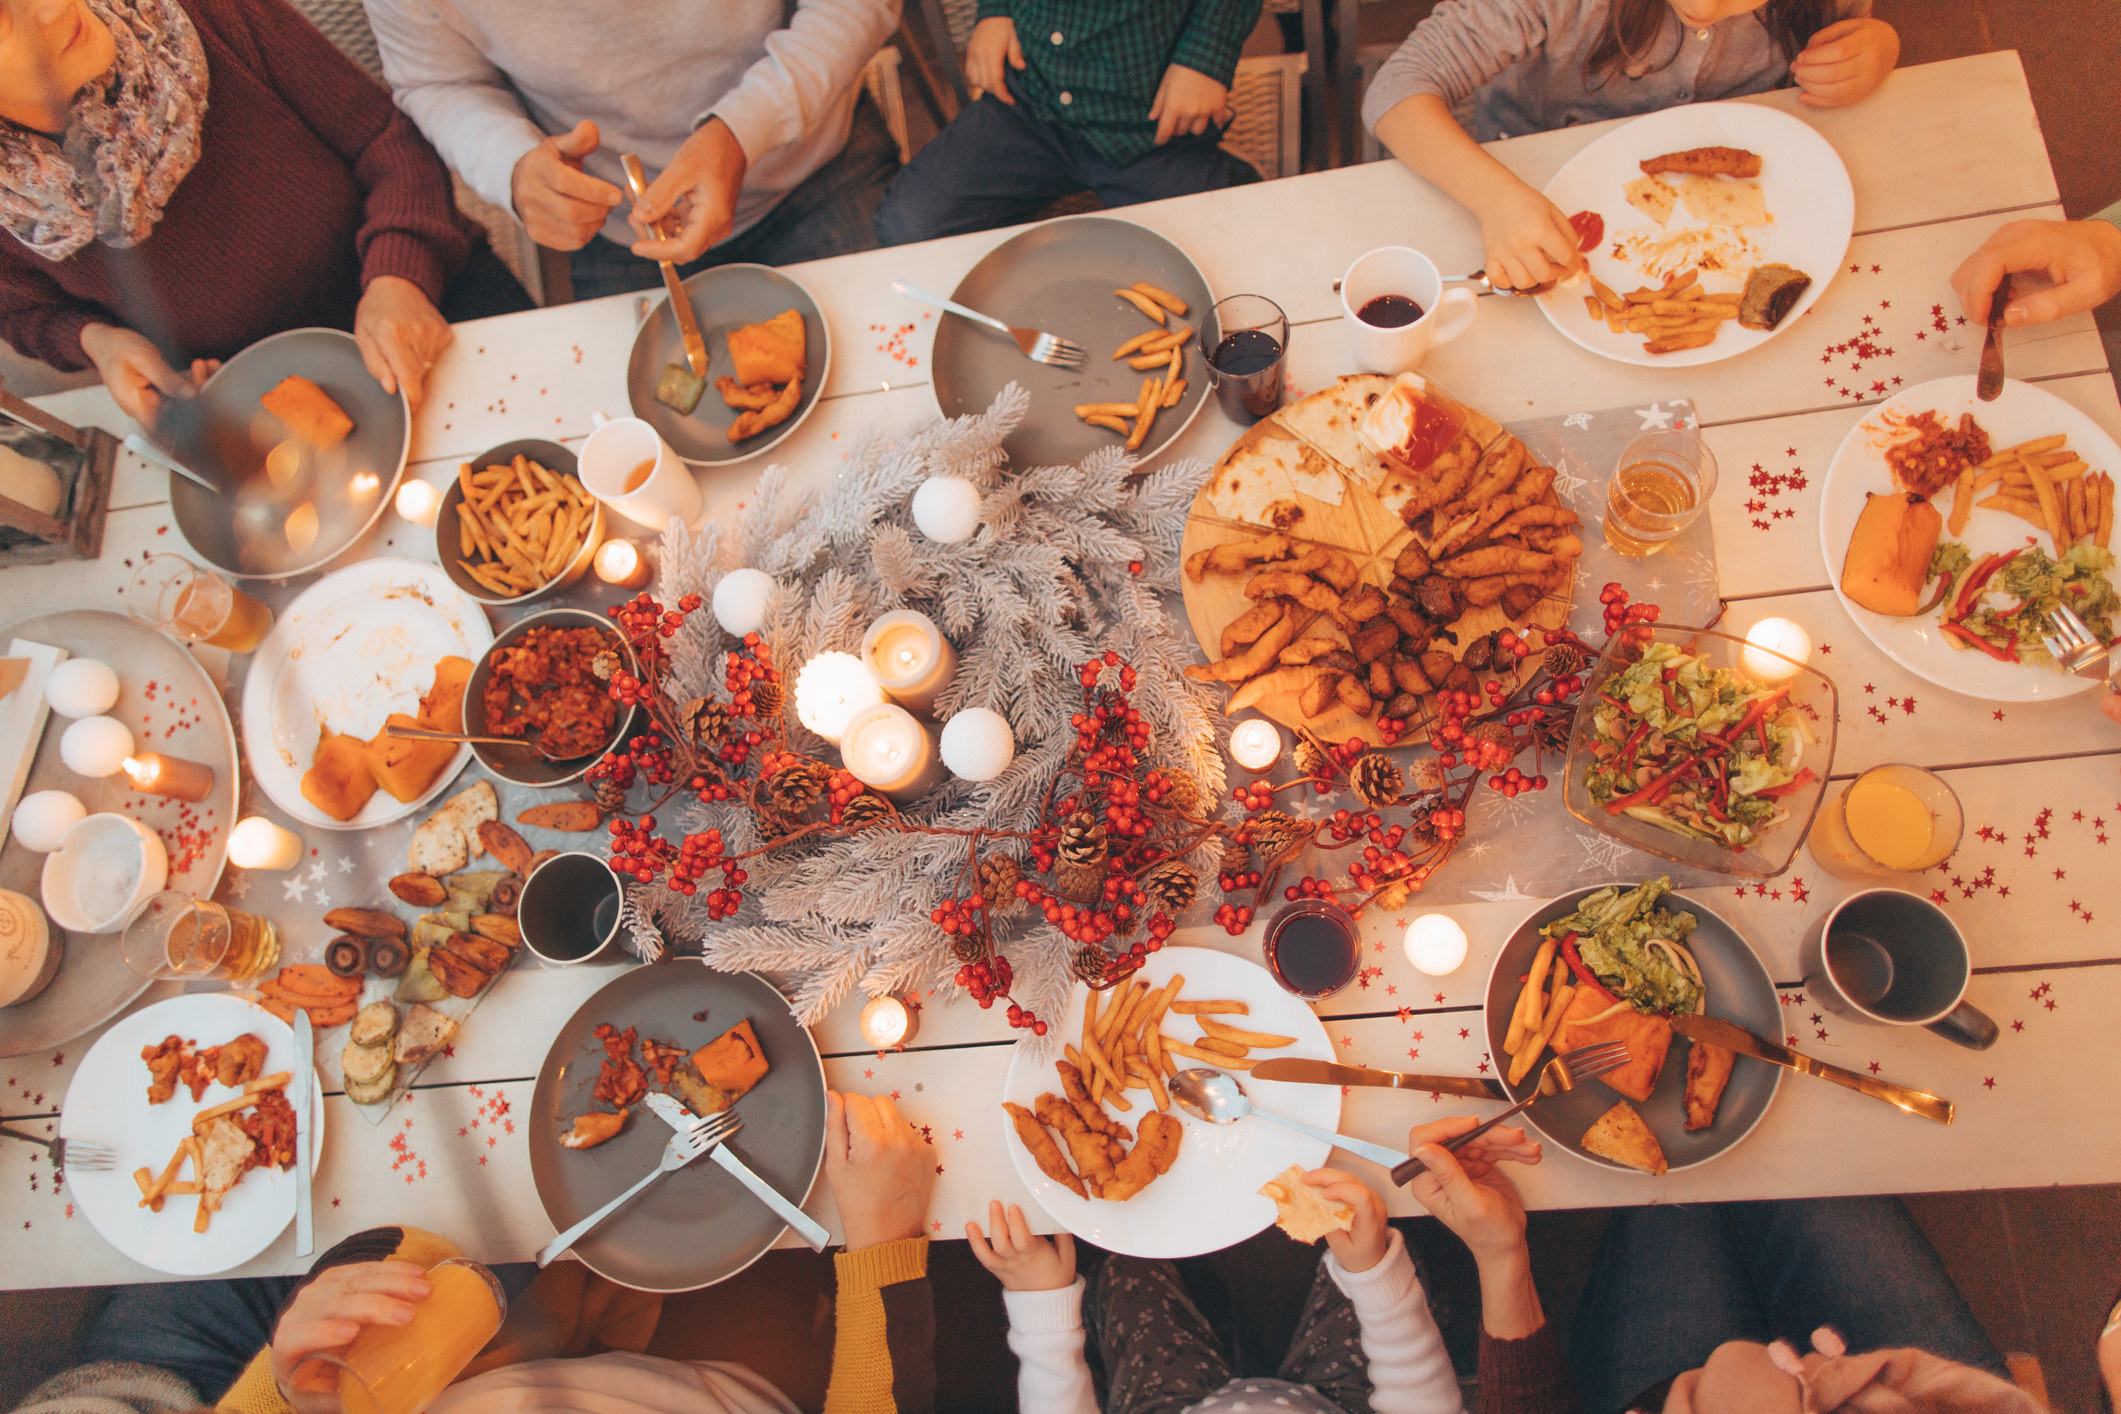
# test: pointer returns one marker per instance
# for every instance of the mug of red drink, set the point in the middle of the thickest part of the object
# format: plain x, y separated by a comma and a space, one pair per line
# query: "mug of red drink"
1396, 310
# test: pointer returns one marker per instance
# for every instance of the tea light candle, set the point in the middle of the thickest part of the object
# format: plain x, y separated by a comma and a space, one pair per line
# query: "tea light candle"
888, 1023
619, 564
889, 750
419, 502
1255, 744
152, 773
978, 745
910, 658
830, 689
946, 509
740, 600
1770, 637
1436, 944
257, 843
95, 747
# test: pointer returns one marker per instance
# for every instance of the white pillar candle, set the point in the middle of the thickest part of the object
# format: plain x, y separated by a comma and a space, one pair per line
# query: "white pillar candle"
946, 509
978, 745
95, 747
910, 658
888, 1022
1255, 744
1776, 648
888, 749
740, 600
830, 689
619, 564
257, 843
81, 687
1436, 944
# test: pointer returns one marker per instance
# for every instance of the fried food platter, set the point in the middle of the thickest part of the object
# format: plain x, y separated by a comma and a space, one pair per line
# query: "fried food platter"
1300, 514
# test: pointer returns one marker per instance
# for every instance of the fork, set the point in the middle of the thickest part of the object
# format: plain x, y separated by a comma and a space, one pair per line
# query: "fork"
2067, 638
684, 1146
1038, 346
69, 1153
1559, 1076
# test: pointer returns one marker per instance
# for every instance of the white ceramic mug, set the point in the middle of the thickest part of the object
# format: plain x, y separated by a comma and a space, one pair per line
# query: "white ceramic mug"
1396, 270
616, 451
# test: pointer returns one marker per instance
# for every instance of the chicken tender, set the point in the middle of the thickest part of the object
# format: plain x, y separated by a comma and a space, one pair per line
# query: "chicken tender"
1093, 1113
1149, 1160
1044, 1151
1248, 626
1092, 1159
1705, 162
1237, 556
1288, 585
750, 424
1253, 661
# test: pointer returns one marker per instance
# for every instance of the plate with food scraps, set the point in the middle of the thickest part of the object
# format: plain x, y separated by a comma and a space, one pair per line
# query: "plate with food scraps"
1208, 1198
699, 1225
107, 1103
1745, 203
1918, 435
356, 647
1733, 985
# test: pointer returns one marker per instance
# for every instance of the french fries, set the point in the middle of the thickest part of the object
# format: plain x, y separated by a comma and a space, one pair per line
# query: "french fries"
1216, 1059
1149, 307
1158, 351
2044, 483
519, 525
1212, 1008
1161, 296
1521, 1065
1527, 1013
1256, 1040
1677, 314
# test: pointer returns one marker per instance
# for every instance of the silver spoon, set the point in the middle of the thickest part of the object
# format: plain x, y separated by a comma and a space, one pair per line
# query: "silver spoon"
536, 743
1219, 1098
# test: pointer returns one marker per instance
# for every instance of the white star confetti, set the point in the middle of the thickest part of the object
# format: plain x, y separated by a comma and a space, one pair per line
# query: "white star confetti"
346, 865
1508, 893
1577, 419
316, 871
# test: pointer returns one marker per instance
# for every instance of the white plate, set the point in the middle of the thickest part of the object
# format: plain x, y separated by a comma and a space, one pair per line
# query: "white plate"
106, 1103
1210, 1198
1809, 197
353, 648
2023, 412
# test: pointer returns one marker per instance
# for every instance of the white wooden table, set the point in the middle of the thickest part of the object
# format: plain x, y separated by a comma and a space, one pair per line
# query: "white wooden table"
1942, 155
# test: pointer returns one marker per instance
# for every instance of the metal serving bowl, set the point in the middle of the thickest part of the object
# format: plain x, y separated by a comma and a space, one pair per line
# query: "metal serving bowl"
554, 458
521, 764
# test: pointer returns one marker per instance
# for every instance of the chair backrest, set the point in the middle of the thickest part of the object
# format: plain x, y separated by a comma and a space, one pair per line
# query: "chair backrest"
1266, 103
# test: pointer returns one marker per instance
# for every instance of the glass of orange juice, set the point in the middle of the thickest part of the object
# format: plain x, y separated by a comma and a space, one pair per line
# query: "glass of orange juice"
195, 604
1892, 820
400, 1369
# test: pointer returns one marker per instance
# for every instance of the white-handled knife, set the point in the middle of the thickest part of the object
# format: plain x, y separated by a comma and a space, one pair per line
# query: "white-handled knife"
305, 1131
806, 1227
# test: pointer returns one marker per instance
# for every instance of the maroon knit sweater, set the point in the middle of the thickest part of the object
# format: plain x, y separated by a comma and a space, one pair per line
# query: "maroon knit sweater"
309, 184
1526, 1376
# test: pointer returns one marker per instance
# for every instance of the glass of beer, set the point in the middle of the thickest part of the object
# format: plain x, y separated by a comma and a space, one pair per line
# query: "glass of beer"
195, 604
400, 1369
1892, 821
1662, 484
178, 938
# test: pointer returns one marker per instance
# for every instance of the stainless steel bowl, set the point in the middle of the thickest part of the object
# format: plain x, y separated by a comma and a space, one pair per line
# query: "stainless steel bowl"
554, 458
521, 764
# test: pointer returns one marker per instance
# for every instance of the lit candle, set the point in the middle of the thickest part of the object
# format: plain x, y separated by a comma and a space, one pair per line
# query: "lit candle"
887, 1022
152, 773
620, 565
1255, 744
1435, 944
946, 509
830, 689
419, 502
978, 745
257, 843
95, 747
909, 658
889, 750
741, 600
1776, 648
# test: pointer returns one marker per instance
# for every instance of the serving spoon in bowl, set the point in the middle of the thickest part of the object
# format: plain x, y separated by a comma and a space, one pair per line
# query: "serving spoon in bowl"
536, 744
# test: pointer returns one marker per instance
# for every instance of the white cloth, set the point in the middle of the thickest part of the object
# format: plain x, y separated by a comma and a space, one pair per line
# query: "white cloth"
615, 1383
487, 80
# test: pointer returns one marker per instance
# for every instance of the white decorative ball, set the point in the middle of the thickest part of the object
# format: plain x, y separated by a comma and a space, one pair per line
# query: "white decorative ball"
96, 747
977, 744
740, 600
44, 817
946, 508
81, 687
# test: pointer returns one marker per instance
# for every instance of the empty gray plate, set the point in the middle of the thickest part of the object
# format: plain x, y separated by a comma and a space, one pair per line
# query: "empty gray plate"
725, 297
1059, 277
697, 1226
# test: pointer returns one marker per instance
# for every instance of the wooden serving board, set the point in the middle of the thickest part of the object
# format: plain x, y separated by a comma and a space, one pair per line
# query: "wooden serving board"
1302, 472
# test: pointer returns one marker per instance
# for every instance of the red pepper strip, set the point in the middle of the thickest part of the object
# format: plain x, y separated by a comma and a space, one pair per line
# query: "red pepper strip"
1974, 640
1669, 778
1584, 975
1944, 588
1759, 713
1634, 741
1670, 706
1964, 604
1796, 782
1761, 727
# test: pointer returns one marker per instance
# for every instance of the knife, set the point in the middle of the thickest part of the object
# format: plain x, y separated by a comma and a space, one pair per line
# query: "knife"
1736, 1038
806, 1227
1988, 384
680, 302
1315, 1072
305, 1135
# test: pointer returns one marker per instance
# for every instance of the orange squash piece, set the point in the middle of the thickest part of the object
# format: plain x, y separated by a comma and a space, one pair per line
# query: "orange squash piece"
338, 781
406, 768
732, 1062
1888, 557
1649, 1038
442, 709
308, 411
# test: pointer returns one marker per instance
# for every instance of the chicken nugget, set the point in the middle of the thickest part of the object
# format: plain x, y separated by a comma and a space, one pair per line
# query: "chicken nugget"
1149, 1160
750, 424
1092, 1160
1237, 556
1043, 1149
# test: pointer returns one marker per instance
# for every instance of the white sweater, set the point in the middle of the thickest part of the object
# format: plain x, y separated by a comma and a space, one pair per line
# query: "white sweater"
1410, 1372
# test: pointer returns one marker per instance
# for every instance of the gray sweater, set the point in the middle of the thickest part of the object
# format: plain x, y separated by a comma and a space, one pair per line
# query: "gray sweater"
1521, 62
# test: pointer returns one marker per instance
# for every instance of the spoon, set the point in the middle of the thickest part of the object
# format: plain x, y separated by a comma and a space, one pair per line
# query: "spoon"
1219, 1098
535, 744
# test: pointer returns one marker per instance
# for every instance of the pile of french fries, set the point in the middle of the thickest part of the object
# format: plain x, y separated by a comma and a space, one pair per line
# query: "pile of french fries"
1161, 347
1675, 315
154, 1188
1538, 1012
519, 525
1124, 1046
2044, 482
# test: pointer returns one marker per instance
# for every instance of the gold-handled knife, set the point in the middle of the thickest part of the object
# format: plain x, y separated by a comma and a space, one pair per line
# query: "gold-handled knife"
1988, 382
1736, 1038
1316, 1072
680, 302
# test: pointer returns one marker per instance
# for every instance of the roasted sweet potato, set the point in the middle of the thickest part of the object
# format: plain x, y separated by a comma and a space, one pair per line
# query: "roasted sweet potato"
1407, 676
572, 816
500, 927
1379, 680
1365, 604
1436, 665
420, 890
1518, 599
1412, 562
1355, 697
1316, 698
365, 922
459, 976
506, 846
1404, 707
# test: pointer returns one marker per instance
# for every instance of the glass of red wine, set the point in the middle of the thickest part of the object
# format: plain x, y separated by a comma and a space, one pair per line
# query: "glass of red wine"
1313, 948
1246, 338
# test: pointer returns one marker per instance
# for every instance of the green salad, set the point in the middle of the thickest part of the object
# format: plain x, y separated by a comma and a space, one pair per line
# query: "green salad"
1627, 947
1999, 604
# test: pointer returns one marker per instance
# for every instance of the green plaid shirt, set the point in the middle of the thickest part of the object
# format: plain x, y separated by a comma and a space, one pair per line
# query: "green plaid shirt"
1094, 65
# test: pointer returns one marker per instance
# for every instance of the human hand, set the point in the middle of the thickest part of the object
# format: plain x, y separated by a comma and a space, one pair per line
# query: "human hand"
701, 183
2081, 259
1845, 62
878, 1168
1020, 1260
1468, 1191
330, 1311
1364, 1245
562, 206
138, 378
992, 45
1905, 1381
1187, 102
1527, 238
400, 334
2111, 705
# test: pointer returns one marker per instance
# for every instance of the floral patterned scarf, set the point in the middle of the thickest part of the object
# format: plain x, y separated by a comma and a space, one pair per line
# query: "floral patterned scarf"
132, 136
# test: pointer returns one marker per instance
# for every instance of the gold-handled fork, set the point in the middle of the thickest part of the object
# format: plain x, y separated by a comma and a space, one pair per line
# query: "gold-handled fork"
1557, 1077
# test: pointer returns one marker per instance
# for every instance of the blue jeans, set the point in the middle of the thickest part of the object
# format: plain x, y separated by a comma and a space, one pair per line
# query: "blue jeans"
999, 163
1671, 1283
204, 1331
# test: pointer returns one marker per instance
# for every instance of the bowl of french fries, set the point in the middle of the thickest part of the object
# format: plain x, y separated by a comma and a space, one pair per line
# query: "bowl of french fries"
517, 524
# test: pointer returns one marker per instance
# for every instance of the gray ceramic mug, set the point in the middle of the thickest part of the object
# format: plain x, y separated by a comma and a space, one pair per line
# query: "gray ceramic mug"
1893, 957
569, 908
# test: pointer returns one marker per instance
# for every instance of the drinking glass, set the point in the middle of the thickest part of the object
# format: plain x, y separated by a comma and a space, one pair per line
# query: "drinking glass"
1313, 949
1246, 340
1886, 840
1662, 484
195, 604
400, 1369
178, 938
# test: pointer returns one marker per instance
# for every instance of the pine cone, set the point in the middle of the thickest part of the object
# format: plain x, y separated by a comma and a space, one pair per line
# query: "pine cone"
1491, 730
609, 795
1183, 792
999, 874
1310, 760
1275, 832
1376, 779
1091, 964
1395, 895
868, 808
1236, 858
1426, 776
766, 698
1082, 839
971, 947
706, 721
1079, 883
796, 787
1565, 660
1170, 886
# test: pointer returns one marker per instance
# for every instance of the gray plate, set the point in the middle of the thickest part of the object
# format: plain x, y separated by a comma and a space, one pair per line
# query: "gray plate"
521, 764
697, 1226
1059, 276
554, 458
93, 983
1739, 990
224, 434
723, 298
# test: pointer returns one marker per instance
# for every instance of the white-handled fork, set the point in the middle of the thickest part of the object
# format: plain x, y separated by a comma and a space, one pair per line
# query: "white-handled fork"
1038, 346
684, 1146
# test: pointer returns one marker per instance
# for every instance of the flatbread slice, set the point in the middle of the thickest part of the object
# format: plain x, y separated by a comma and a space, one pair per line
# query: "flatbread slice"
1724, 201
1260, 480
1304, 1212
1328, 420
1654, 197
1621, 1135
1648, 1039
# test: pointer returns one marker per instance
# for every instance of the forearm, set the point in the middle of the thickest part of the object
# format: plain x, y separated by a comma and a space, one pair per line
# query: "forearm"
1509, 1302
883, 1350
461, 102
410, 226
1214, 37
808, 65
1046, 1334
1421, 132
1410, 1370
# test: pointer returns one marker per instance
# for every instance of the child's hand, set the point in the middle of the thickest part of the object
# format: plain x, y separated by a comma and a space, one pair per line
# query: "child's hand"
1364, 1245
1528, 239
1020, 1261
1845, 61
1466, 1190
993, 44
1187, 102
